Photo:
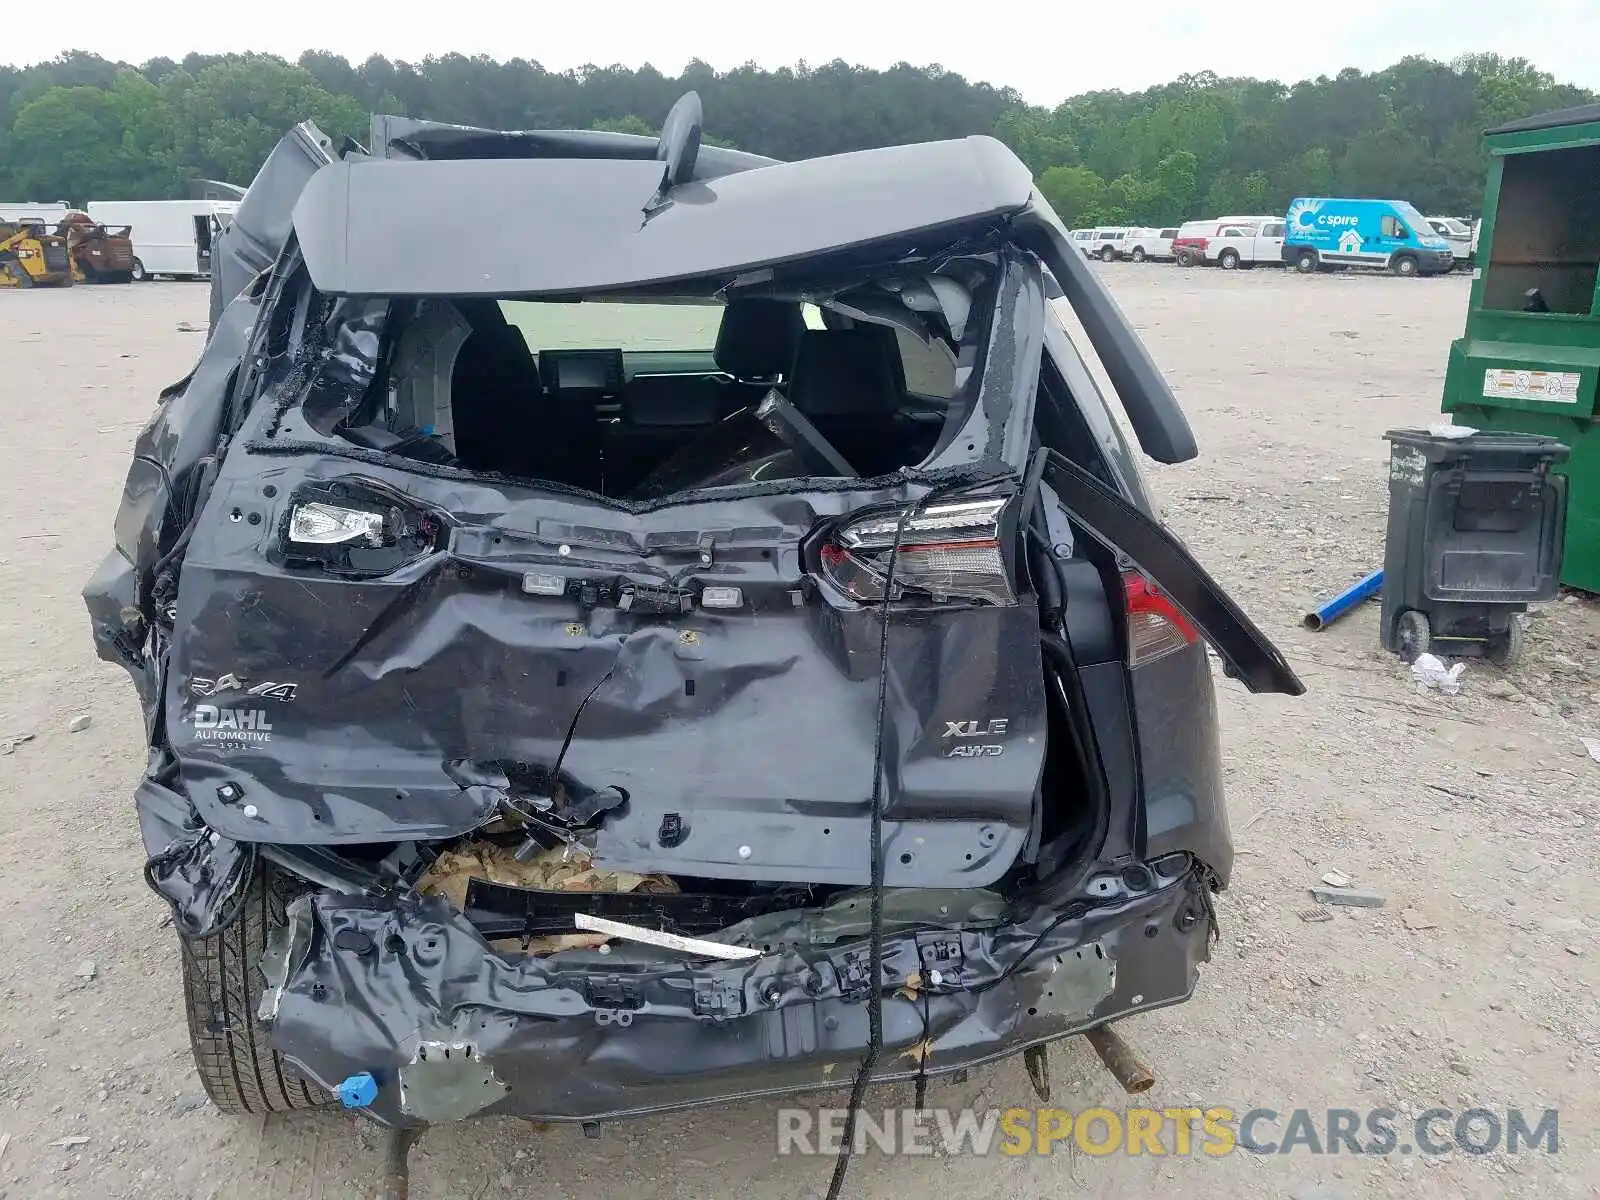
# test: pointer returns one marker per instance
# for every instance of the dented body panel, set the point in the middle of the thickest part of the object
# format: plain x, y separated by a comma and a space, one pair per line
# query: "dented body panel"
416, 694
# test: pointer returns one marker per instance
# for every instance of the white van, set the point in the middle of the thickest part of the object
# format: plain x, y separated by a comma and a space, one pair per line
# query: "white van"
32, 210
170, 237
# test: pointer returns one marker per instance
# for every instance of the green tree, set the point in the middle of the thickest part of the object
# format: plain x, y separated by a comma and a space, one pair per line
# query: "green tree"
627, 124
1198, 145
1078, 195
78, 143
1173, 194
234, 112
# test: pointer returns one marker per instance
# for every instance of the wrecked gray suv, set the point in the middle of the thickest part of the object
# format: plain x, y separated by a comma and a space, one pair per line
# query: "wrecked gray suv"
696, 635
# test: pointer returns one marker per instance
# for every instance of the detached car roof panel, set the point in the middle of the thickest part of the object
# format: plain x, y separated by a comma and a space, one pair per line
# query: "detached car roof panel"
501, 227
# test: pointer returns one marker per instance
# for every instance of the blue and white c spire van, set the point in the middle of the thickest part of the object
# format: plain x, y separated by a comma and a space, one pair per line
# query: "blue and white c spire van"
1387, 234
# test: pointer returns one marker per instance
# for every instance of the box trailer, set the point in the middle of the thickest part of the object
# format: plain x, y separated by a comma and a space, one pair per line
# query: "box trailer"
173, 238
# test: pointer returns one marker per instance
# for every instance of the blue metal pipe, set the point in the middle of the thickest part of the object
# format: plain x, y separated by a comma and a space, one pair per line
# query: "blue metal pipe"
1330, 611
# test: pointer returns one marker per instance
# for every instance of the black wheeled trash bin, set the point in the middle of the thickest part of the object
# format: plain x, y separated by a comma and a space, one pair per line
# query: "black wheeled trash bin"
1475, 531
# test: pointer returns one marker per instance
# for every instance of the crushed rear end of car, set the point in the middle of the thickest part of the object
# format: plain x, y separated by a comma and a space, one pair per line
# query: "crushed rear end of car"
624, 727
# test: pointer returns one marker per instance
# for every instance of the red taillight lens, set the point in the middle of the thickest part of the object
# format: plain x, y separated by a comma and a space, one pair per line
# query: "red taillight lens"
949, 551
1155, 626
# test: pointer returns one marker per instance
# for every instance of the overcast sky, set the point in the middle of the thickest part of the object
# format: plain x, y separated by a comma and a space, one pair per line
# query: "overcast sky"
1046, 49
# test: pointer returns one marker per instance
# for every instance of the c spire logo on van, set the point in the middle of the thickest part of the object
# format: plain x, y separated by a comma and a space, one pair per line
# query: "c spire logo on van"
1303, 214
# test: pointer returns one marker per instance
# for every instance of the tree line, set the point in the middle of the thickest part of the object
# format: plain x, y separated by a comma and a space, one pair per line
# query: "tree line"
81, 127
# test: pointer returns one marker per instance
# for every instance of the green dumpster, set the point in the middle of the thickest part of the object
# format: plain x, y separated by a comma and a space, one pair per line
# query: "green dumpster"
1530, 358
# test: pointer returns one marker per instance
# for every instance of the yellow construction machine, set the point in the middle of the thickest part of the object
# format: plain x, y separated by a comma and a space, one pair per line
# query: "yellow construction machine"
30, 255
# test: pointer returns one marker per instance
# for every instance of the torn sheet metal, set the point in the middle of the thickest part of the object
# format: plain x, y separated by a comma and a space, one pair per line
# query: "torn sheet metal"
287, 946
448, 1081
647, 1037
348, 363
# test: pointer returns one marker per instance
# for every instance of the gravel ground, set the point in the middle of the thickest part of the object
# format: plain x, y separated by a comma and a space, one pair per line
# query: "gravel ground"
1475, 814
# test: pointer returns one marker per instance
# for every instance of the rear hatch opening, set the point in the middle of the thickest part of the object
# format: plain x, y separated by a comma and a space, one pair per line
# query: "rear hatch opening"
659, 568
644, 398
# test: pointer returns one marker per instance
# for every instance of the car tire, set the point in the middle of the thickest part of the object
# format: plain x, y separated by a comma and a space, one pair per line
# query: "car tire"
1228, 260
222, 985
1107, 254
1404, 265
137, 274
1138, 254
1185, 259
1306, 262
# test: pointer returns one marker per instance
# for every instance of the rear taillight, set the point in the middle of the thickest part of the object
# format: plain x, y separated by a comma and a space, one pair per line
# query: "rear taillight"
354, 528
1155, 626
950, 550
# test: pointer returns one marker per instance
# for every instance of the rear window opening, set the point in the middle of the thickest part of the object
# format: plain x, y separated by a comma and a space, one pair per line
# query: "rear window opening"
1545, 252
635, 398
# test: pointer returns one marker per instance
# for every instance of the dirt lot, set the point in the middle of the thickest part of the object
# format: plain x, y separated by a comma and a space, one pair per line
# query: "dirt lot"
1476, 814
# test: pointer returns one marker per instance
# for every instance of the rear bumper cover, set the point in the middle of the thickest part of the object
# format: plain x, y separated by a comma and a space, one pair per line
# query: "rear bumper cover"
406, 990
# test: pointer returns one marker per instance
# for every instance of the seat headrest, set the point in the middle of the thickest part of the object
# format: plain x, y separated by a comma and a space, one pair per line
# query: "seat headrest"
757, 338
847, 372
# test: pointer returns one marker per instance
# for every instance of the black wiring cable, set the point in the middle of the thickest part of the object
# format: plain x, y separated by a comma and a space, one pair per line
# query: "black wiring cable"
1072, 912
869, 1061
921, 1101
566, 742
231, 914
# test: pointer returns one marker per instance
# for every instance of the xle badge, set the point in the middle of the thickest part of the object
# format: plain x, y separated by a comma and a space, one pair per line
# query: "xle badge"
965, 730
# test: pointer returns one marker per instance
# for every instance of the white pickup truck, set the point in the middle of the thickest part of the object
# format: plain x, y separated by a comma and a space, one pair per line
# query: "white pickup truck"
1141, 244
1235, 246
1463, 238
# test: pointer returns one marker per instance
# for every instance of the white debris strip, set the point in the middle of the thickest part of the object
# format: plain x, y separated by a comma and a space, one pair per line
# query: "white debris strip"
668, 941
1430, 672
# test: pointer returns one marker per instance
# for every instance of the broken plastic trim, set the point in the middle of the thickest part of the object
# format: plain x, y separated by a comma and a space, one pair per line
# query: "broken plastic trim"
204, 878
699, 947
